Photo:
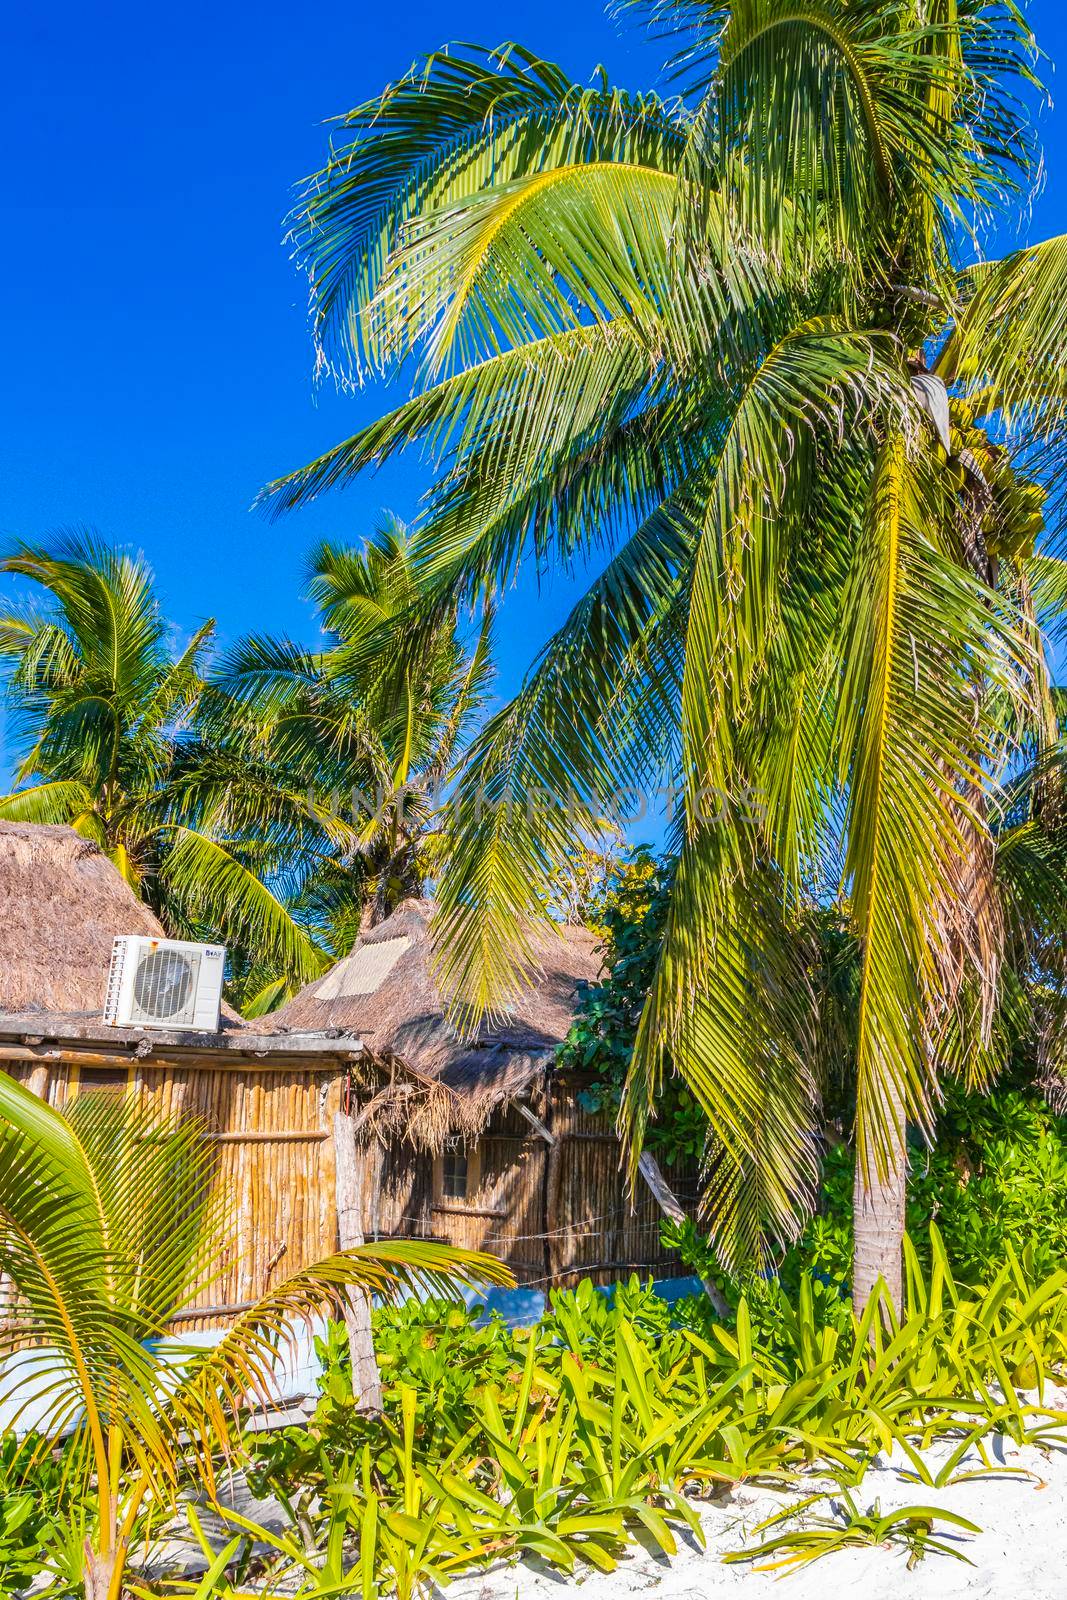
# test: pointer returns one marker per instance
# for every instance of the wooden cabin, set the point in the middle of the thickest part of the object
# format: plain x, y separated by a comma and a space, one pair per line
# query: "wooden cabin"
485, 1144
268, 1100
480, 1144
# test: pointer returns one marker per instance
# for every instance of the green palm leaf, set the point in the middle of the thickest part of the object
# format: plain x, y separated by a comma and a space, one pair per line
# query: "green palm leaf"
109, 1223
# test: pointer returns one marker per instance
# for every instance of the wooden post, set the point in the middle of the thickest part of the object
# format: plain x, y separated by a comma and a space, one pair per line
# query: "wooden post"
37, 1082
553, 1183
650, 1170
366, 1379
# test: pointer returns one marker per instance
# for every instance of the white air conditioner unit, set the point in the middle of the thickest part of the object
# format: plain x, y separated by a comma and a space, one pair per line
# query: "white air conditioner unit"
164, 983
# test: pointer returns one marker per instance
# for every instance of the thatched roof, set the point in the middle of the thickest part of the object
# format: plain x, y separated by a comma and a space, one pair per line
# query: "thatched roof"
385, 993
62, 904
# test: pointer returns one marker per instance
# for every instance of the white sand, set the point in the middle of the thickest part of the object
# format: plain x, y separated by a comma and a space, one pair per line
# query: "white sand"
1021, 1553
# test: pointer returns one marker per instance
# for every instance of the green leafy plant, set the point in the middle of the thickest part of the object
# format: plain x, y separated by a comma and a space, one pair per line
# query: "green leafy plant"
36, 1496
436, 1349
20, 1540
911, 1526
994, 1180
110, 1222
996, 1177
611, 1417
630, 915
585, 1319
446, 1353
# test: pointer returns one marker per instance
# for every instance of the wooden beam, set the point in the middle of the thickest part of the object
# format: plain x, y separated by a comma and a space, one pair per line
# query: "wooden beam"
208, 1313
649, 1169
282, 1136
535, 1121
456, 1208
210, 1059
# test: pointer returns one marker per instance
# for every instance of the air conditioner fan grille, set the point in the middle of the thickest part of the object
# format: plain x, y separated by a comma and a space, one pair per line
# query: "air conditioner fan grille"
164, 983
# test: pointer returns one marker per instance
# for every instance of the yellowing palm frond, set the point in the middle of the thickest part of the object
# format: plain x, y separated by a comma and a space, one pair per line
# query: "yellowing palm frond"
110, 1222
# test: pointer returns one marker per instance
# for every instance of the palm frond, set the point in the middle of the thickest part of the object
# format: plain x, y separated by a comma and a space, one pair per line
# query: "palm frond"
456, 124
62, 800
732, 1010
547, 769
213, 886
908, 731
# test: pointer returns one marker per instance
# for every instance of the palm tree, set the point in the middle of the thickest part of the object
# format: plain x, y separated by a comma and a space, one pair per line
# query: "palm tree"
110, 1223
225, 801
370, 737
106, 712
731, 339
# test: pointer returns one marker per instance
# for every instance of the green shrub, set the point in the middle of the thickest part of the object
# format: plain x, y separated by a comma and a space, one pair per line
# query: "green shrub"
995, 1176
436, 1350
444, 1352
630, 915
604, 1420
37, 1500
995, 1179
584, 1319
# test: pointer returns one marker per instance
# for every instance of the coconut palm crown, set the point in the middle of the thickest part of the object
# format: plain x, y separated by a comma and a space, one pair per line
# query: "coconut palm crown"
106, 712
737, 344
368, 737
222, 792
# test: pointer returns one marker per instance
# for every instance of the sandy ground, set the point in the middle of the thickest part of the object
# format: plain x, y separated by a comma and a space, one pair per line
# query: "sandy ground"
1021, 1553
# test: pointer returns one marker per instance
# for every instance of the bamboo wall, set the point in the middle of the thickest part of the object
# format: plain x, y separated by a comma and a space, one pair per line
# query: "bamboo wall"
273, 1129
552, 1212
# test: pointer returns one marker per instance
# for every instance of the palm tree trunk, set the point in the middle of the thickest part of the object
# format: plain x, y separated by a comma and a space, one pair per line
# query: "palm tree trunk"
878, 1221
99, 1574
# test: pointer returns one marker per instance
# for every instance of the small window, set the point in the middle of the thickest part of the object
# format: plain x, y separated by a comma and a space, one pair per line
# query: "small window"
454, 1175
101, 1081
457, 1175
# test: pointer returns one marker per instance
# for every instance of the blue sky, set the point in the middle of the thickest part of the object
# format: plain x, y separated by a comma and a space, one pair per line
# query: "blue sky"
156, 362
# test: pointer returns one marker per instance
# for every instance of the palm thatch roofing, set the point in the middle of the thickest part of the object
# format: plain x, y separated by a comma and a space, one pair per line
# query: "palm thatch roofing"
386, 993
62, 904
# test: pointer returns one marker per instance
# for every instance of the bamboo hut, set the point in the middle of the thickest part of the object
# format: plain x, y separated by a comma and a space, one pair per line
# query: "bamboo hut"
267, 1100
355, 1111
483, 1143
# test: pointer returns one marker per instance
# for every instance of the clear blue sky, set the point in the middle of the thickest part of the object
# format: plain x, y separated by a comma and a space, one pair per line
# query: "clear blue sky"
153, 332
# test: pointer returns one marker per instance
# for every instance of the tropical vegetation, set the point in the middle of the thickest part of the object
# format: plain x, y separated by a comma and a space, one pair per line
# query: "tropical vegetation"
274, 798
610, 1420
730, 354
366, 744
994, 1175
110, 1225
738, 344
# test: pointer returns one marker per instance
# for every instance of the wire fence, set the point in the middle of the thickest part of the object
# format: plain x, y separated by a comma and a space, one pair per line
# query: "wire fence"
638, 1234
565, 1230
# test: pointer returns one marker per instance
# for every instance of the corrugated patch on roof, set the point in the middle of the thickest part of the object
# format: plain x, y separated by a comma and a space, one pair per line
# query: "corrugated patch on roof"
364, 971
